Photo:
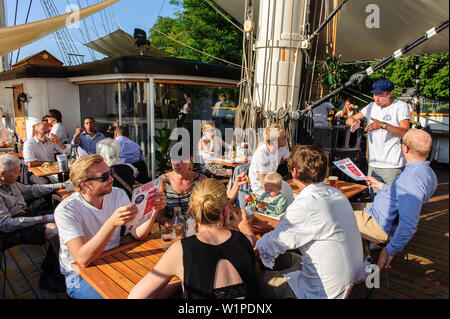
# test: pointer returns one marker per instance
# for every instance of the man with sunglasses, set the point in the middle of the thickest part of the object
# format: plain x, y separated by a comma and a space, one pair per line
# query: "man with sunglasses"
404, 198
89, 220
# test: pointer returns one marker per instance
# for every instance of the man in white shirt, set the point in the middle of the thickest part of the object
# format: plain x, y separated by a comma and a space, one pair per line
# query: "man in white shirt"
40, 149
54, 118
320, 223
388, 120
89, 220
267, 157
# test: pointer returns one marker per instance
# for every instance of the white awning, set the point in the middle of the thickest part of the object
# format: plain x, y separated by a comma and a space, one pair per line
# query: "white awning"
401, 21
13, 38
119, 43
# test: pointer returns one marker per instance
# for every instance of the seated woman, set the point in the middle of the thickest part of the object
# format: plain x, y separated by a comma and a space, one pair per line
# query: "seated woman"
348, 110
216, 262
124, 174
210, 144
177, 185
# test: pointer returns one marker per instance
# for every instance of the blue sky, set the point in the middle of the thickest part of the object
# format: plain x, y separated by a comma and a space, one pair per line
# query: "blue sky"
128, 14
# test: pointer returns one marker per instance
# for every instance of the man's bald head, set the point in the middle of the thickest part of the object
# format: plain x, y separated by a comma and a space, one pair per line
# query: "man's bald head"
41, 128
419, 142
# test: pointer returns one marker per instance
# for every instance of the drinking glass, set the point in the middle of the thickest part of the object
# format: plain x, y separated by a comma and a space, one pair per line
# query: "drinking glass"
167, 236
333, 181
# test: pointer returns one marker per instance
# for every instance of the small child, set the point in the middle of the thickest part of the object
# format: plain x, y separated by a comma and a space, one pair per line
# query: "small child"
272, 202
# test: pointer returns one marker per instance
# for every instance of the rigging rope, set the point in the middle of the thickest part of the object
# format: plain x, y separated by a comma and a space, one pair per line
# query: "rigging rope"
179, 42
223, 15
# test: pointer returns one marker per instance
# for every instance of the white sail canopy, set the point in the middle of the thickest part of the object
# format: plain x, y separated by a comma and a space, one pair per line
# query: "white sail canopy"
400, 22
120, 43
13, 38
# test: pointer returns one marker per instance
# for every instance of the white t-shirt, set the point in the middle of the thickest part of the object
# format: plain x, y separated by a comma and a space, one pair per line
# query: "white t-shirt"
320, 223
265, 162
384, 147
75, 217
59, 130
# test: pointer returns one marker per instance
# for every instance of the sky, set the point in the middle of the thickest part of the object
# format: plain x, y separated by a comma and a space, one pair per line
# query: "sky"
128, 14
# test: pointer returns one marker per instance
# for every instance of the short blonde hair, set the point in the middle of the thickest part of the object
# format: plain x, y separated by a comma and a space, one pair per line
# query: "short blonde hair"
418, 141
80, 169
207, 125
208, 200
274, 178
273, 132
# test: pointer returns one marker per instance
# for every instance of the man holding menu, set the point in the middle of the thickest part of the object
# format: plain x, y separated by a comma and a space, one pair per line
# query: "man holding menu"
89, 220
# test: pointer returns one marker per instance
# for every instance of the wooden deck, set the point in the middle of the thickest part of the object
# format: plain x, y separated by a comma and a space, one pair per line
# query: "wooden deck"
428, 254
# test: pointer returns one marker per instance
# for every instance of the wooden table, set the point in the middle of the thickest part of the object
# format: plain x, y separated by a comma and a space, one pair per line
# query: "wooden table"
229, 164
42, 171
118, 270
349, 189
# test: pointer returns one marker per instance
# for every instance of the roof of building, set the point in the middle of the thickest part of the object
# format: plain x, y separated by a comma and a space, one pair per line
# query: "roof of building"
124, 65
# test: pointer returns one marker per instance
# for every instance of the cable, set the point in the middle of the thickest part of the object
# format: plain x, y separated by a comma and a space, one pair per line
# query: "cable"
223, 15
207, 54
26, 20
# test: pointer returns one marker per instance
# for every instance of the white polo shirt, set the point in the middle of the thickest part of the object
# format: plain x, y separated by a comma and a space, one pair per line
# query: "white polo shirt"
265, 162
35, 150
75, 217
384, 147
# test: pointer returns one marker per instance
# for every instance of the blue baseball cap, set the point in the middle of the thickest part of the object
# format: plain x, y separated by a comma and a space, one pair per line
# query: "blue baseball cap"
382, 85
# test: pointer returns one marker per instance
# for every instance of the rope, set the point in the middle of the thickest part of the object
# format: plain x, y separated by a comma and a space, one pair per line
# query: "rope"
26, 20
223, 15
179, 42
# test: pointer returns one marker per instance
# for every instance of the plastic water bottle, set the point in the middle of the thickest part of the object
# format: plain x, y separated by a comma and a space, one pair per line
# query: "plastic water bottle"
190, 227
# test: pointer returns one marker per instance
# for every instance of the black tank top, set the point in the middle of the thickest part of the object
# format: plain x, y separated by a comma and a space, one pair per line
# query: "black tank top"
200, 262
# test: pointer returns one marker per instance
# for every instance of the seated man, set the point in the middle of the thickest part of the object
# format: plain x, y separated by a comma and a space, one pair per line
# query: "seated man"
267, 157
89, 220
319, 223
21, 225
131, 153
403, 198
40, 149
85, 140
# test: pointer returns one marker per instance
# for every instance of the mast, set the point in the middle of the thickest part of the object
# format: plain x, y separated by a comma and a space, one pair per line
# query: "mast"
4, 62
278, 56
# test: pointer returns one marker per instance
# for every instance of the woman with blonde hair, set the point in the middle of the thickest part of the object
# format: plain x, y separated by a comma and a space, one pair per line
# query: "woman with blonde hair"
210, 145
216, 262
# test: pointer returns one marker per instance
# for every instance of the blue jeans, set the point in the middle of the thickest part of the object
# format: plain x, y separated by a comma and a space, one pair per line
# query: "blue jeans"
78, 288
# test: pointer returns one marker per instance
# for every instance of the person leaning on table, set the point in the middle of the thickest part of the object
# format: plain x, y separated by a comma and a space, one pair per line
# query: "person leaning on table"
321, 225
89, 220
216, 262
40, 149
21, 225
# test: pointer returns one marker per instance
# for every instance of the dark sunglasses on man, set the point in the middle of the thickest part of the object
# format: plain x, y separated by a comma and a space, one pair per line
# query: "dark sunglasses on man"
102, 178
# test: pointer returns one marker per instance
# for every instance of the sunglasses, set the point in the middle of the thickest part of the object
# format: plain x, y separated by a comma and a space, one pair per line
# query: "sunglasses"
102, 178
402, 142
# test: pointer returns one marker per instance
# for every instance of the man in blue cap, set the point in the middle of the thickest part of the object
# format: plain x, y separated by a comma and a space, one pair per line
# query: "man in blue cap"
387, 122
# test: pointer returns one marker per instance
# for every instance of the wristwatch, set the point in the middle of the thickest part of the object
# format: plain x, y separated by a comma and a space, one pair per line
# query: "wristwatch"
383, 126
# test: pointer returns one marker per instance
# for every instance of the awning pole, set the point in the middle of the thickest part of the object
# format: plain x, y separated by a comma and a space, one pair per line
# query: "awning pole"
151, 127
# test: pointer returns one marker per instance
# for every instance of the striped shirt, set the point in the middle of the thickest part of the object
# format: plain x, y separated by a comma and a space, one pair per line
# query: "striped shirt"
174, 199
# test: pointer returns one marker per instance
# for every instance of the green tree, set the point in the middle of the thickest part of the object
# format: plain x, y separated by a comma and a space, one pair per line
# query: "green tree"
201, 27
433, 75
